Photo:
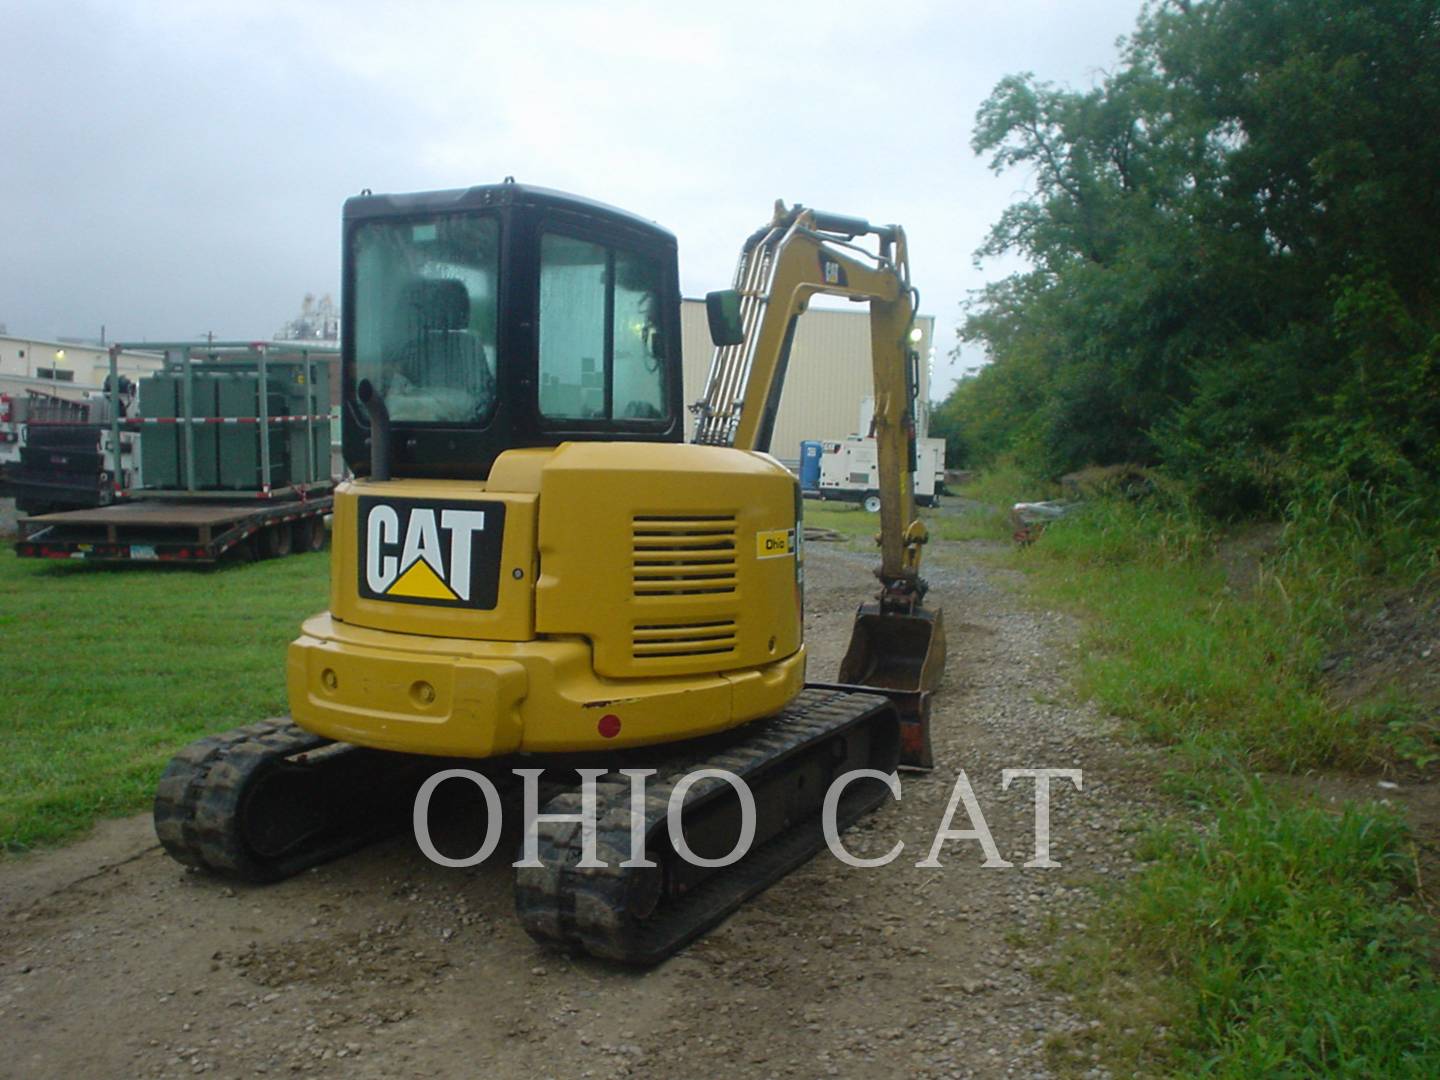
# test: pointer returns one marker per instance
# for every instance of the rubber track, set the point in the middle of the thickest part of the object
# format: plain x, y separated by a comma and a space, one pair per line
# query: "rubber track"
590, 908
199, 803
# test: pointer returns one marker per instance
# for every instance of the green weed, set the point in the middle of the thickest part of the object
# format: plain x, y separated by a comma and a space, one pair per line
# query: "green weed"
1287, 927
1005, 483
1269, 939
1177, 652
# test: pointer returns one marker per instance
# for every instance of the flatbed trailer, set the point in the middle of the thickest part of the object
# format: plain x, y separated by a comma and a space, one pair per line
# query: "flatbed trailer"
182, 530
236, 465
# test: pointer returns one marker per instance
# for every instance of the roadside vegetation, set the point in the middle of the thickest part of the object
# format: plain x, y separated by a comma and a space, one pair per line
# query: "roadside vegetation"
1215, 637
1229, 317
1267, 934
108, 671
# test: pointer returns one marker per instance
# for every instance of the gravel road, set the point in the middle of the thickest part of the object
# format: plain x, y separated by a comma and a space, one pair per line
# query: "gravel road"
116, 962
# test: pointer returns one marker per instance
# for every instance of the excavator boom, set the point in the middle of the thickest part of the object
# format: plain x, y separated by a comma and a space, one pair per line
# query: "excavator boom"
897, 644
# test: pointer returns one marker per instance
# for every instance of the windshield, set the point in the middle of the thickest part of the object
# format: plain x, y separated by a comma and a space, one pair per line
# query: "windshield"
425, 305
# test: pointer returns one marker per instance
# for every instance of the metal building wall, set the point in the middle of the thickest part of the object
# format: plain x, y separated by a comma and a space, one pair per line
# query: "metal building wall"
828, 378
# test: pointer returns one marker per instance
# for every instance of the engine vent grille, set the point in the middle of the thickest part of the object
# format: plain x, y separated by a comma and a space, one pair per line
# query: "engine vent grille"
683, 556
693, 639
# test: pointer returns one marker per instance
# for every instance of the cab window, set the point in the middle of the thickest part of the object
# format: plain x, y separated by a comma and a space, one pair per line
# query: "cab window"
602, 346
426, 312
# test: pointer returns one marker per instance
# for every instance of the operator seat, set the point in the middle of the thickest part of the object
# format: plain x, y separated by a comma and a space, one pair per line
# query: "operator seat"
442, 373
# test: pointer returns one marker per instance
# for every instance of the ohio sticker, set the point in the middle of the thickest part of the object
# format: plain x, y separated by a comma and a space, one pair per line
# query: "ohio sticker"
774, 543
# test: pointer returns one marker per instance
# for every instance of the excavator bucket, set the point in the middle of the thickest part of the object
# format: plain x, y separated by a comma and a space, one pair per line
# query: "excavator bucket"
903, 657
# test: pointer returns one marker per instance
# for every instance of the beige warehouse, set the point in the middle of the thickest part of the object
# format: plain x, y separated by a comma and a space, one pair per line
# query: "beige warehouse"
828, 378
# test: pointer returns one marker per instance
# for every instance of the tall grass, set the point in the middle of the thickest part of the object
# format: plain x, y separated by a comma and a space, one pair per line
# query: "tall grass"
1343, 545
1279, 937
1005, 483
1277, 942
984, 503
1179, 651
1388, 534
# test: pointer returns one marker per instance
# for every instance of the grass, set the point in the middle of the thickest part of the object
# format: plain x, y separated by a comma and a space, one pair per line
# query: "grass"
1221, 669
1288, 924
1265, 936
957, 518
971, 520
1276, 942
109, 670
1004, 484
848, 519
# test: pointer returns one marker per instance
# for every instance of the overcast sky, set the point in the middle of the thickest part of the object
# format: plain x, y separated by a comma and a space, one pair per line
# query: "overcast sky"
172, 168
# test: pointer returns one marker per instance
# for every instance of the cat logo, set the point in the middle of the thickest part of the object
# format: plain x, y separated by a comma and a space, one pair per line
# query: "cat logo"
422, 552
832, 273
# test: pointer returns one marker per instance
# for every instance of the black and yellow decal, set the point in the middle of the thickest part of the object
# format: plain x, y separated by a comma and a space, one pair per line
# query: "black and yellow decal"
417, 551
774, 543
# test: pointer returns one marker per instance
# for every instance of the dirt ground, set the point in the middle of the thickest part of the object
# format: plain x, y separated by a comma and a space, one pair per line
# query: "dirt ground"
114, 961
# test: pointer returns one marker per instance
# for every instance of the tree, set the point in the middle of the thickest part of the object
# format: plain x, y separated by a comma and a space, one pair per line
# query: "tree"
1235, 252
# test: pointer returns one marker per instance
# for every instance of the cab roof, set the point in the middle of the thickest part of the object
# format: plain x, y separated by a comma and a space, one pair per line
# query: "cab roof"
483, 196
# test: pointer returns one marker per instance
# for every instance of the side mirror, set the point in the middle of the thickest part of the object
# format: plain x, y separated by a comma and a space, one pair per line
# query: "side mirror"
722, 309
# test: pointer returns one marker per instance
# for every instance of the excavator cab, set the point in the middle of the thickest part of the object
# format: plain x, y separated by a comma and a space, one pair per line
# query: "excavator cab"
503, 317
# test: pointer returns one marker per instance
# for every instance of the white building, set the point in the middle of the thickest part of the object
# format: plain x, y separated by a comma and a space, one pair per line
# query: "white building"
64, 368
828, 379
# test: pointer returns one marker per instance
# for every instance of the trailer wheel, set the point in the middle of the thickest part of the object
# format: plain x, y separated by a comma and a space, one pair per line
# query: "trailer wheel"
274, 540
309, 534
872, 502
242, 551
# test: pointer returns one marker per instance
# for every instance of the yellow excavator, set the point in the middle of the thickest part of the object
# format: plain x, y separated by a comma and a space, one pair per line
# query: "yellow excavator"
532, 567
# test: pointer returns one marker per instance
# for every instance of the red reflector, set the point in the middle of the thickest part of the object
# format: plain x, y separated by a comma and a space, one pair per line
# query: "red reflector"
609, 726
